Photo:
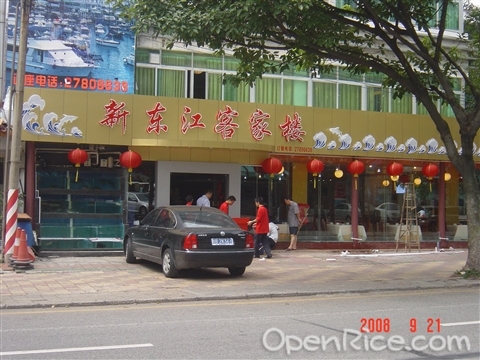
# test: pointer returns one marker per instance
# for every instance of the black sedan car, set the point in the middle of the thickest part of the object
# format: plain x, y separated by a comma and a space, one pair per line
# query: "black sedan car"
185, 237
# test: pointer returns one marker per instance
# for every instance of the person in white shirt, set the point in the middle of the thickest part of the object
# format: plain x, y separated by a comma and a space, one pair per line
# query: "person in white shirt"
204, 200
272, 235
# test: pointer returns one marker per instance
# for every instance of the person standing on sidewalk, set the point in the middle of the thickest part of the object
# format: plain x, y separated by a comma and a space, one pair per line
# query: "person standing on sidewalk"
293, 221
260, 224
204, 200
226, 204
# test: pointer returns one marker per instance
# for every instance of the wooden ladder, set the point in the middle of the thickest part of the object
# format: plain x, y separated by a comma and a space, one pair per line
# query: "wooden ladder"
409, 230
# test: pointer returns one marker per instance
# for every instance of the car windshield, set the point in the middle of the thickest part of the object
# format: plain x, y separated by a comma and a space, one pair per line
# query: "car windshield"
142, 197
206, 220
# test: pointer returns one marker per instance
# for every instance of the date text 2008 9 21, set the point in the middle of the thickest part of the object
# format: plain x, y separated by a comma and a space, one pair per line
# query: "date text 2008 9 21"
294, 149
74, 83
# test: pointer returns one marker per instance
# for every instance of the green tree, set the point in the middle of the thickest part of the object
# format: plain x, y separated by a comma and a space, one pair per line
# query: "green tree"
406, 40
472, 28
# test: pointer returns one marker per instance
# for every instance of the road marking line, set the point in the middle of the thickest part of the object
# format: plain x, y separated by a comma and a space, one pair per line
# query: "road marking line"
462, 323
111, 347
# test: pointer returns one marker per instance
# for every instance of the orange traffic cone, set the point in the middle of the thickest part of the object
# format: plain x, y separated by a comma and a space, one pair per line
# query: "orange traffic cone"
23, 259
14, 256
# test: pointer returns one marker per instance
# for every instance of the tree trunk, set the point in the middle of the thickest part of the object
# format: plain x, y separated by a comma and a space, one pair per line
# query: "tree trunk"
472, 201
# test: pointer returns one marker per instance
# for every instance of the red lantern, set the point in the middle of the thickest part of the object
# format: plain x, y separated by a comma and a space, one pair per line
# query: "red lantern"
394, 169
355, 168
430, 170
272, 166
315, 167
130, 159
77, 156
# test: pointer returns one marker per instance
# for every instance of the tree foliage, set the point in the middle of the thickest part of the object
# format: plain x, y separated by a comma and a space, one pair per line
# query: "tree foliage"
406, 40
472, 29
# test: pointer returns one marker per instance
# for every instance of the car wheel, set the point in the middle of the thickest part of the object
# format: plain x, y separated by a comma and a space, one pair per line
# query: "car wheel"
129, 257
168, 265
237, 271
142, 211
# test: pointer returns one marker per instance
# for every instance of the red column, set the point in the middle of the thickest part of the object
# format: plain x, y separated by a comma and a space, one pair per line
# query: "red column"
442, 205
355, 209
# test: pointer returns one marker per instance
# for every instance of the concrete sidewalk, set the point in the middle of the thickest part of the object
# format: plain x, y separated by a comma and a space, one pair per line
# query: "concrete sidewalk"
77, 281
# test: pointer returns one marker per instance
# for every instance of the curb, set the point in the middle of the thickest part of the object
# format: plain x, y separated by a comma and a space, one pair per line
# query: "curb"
238, 297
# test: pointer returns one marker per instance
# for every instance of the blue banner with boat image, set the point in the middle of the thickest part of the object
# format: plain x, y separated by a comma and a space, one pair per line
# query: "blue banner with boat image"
73, 45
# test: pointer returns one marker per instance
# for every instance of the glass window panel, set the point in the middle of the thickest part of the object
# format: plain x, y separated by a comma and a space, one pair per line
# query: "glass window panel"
240, 93
144, 81
446, 110
421, 109
345, 75
456, 83
231, 63
267, 91
171, 83
214, 86
350, 97
295, 92
176, 58
372, 77
207, 61
324, 95
294, 71
331, 75
453, 14
403, 105
377, 99
143, 55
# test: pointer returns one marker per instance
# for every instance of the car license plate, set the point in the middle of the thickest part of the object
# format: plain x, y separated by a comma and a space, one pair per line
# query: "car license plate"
218, 241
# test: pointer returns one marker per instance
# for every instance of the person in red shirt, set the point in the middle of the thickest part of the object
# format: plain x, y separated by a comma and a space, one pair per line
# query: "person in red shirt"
261, 229
224, 207
189, 200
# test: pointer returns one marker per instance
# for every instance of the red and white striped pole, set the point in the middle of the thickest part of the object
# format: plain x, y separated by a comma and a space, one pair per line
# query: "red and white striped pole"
14, 171
11, 221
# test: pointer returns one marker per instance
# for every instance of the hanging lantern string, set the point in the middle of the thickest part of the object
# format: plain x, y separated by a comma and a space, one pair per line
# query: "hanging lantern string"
76, 175
130, 170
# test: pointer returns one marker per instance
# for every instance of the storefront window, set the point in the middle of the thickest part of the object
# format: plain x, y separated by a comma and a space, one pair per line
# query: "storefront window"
268, 90
349, 97
171, 83
295, 92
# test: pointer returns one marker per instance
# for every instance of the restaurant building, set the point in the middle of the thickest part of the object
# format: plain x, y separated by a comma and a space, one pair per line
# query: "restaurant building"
342, 147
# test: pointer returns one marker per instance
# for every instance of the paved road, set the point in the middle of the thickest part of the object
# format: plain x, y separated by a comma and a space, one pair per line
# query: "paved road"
75, 281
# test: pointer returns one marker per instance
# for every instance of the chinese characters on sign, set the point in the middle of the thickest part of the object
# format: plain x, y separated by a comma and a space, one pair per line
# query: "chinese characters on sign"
292, 129
155, 117
186, 125
258, 125
73, 83
225, 125
115, 114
